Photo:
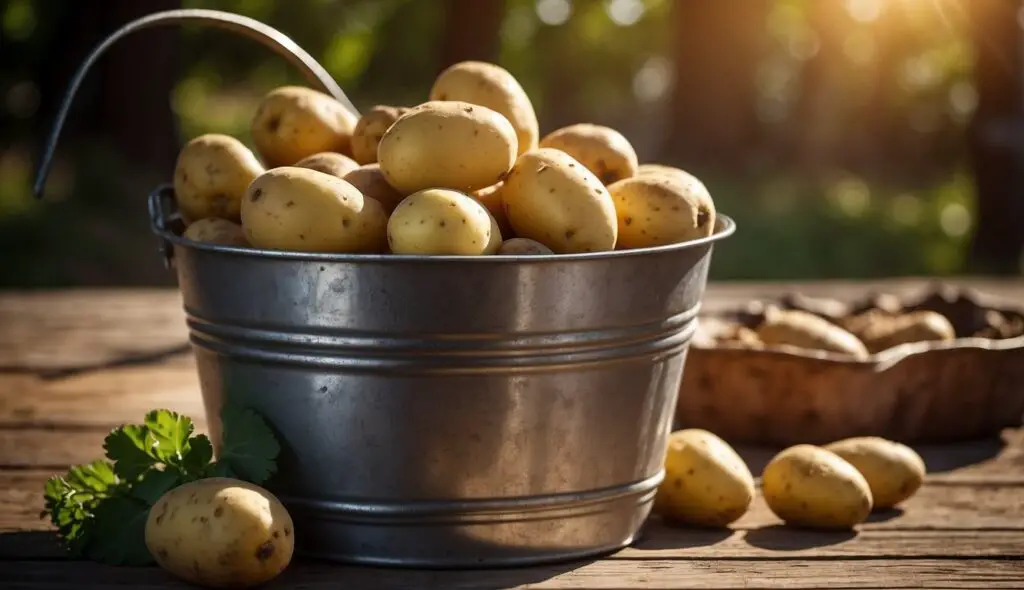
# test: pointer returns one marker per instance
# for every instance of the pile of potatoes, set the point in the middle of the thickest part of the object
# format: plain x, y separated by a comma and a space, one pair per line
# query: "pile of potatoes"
464, 173
836, 486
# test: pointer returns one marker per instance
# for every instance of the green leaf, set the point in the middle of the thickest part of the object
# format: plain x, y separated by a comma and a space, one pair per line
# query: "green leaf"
119, 533
196, 462
248, 446
167, 437
154, 484
128, 448
96, 477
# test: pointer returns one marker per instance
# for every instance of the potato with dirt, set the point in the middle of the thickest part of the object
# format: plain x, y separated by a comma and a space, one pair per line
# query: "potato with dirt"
808, 486
211, 175
603, 150
658, 211
551, 198
294, 122
370, 129
371, 182
523, 247
214, 230
805, 330
303, 210
331, 163
489, 85
440, 222
447, 144
894, 471
220, 533
706, 482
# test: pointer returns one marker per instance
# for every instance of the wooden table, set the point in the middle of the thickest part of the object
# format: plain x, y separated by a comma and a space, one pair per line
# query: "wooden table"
74, 364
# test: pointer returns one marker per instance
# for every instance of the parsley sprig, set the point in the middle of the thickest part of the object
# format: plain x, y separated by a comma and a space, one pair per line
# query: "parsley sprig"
100, 508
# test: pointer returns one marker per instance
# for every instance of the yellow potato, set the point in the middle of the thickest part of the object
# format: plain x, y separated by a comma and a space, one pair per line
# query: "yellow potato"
662, 170
920, 326
603, 150
657, 211
214, 230
811, 487
495, 241
211, 175
331, 163
706, 482
523, 247
894, 471
491, 86
303, 210
490, 197
551, 198
370, 129
220, 533
440, 222
371, 182
293, 122
806, 330
453, 145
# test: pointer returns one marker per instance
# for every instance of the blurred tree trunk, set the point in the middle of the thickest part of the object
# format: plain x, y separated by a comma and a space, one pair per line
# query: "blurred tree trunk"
999, 235
126, 98
472, 30
717, 47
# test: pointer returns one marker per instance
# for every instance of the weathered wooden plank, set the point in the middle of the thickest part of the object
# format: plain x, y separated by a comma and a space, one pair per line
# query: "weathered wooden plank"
934, 507
596, 575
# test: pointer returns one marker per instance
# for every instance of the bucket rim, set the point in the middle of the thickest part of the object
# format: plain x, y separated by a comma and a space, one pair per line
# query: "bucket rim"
726, 227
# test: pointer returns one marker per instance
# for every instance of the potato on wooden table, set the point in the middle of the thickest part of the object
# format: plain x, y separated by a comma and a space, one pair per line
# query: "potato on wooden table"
293, 122
811, 487
220, 533
894, 471
211, 175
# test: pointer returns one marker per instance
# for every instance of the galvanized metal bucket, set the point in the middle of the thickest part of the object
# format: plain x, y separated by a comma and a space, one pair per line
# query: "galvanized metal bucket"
449, 411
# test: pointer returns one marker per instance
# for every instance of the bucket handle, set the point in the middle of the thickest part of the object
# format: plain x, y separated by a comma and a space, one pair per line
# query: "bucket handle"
254, 29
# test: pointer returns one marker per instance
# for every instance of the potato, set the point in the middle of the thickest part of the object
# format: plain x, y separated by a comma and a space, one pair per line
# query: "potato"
491, 86
657, 211
806, 330
494, 241
371, 182
706, 482
603, 150
884, 332
293, 122
662, 170
453, 145
211, 175
440, 222
894, 471
490, 197
303, 210
523, 247
551, 198
811, 487
331, 163
213, 230
370, 129
220, 533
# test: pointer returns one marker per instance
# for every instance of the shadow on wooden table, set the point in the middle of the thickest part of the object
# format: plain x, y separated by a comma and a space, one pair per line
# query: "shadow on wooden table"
779, 537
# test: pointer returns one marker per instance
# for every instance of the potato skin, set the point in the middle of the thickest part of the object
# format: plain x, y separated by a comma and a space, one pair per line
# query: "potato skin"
211, 175
214, 230
806, 330
551, 198
331, 163
678, 174
371, 182
220, 533
706, 482
303, 210
811, 487
494, 240
490, 197
447, 144
293, 122
603, 150
894, 471
440, 222
369, 130
523, 247
657, 211
880, 332
494, 87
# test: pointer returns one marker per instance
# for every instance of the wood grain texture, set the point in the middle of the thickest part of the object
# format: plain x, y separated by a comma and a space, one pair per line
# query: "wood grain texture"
597, 575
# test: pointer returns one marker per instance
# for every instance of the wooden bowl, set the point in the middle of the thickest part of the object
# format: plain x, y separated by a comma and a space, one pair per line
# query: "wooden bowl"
920, 392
